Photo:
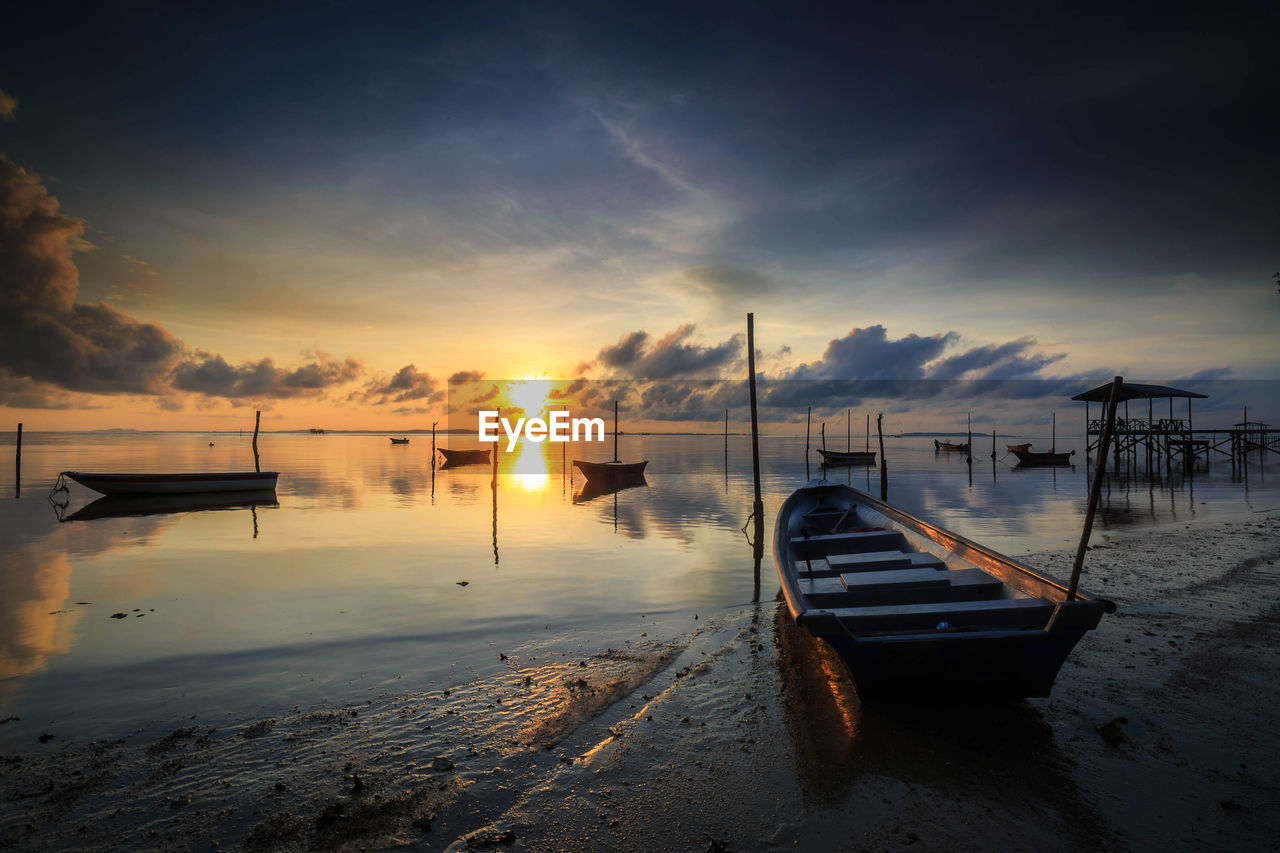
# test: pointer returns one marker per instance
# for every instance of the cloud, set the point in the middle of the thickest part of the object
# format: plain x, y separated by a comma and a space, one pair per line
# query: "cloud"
726, 283
668, 358
996, 361
213, 376
869, 354
8, 106
50, 339
408, 383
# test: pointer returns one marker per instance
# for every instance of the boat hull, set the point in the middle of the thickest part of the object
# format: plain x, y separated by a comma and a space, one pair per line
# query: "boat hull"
399, 441
840, 458
126, 506
176, 484
1030, 459
610, 470
917, 612
1014, 448
943, 445
463, 457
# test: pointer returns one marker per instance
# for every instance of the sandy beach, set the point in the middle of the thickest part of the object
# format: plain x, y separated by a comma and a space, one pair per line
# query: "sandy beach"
734, 731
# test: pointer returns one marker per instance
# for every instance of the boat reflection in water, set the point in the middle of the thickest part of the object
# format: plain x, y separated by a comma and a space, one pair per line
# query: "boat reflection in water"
595, 488
1001, 751
123, 507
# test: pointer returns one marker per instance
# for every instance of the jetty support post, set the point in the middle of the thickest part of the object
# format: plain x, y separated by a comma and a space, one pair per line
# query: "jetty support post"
1095, 488
433, 444
257, 422
884, 464
17, 466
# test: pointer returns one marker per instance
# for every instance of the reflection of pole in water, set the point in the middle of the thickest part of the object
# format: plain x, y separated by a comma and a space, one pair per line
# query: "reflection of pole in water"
253, 510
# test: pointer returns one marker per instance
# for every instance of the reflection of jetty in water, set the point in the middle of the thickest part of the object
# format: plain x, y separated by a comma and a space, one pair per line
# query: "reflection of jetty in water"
124, 507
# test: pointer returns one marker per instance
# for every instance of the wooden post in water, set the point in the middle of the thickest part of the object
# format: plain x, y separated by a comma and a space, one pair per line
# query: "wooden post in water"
848, 429
433, 444
17, 466
808, 417
993, 444
968, 442
257, 421
615, 432
1095, 488
884, 464
824, 436
758, 505
868, 447
726, 432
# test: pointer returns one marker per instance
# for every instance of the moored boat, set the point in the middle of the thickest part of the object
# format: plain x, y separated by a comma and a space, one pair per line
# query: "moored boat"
1031, 458
116, 506
614, 469
946, 445
175, 484
837, 458
1014, 448
917, 611
399, 441
453, 456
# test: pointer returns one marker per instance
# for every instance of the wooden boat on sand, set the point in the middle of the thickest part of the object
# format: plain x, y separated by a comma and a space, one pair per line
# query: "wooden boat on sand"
838, 458
946, 445
399, 441
174, 484
916, 611
1030, 458
453, 456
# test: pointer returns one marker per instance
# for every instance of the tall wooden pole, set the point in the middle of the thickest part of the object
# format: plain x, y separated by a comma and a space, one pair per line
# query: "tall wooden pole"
257, 421
848, 429
615, 432
868, 447
808, 418
1095, 488
17, 466
884, 464
757, 508
433, 444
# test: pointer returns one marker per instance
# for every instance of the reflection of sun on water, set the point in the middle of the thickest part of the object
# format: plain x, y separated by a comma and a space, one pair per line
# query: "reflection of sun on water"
528, 468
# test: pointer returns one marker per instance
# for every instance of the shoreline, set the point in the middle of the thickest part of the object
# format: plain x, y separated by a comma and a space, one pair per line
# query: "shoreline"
739, 733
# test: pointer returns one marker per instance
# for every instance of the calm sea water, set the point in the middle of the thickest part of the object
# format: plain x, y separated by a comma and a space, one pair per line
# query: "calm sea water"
371, 567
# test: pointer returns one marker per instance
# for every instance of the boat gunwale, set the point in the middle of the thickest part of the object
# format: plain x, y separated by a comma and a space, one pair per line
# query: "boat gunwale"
1001, 567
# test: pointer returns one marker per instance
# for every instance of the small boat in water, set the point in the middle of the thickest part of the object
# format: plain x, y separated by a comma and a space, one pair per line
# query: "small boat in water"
453, 456
175, 484
946, 445
838, 458
399, 441
1030, 458
615, 469
916, 611
1014, 448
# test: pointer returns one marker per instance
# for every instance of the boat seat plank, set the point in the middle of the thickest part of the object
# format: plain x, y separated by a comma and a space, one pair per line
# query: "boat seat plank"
822, 566
897, 579
1000, 611
845, 543
869, 560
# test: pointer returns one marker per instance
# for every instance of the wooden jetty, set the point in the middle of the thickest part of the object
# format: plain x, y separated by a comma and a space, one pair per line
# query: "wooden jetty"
1166, 440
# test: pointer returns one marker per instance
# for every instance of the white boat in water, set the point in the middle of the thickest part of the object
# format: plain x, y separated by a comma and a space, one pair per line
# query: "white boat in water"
175, 484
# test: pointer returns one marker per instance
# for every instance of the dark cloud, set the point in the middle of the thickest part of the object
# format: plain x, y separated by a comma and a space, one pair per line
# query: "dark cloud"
46, 336
8, 106
1010, 360
667, 358
407, 384
213, 376
869, 354
464, 376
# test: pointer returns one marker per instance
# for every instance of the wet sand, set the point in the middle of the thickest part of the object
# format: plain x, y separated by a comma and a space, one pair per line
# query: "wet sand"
735, 731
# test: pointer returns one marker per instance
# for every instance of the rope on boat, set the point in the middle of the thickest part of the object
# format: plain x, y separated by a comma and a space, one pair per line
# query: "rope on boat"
60, 504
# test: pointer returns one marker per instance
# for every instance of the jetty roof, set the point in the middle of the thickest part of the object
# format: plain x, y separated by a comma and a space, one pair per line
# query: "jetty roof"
1134, 391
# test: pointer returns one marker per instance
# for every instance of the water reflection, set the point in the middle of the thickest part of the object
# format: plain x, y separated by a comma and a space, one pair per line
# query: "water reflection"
124, 507
1001, 751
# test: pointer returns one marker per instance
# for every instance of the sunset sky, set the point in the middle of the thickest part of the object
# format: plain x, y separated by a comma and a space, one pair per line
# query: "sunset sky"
327, 213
